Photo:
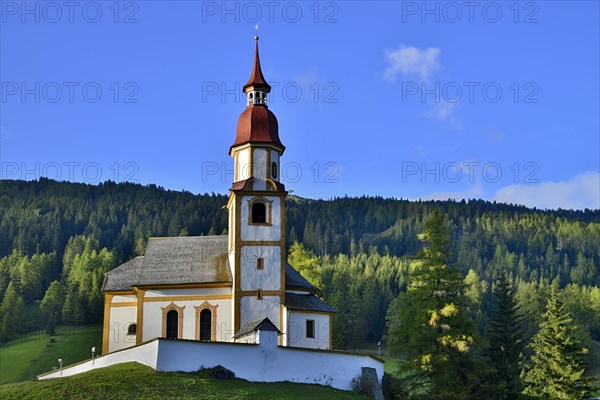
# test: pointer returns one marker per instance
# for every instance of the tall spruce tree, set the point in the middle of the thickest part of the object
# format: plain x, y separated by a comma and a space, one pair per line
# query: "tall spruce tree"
505, 334
430, 324
557, 366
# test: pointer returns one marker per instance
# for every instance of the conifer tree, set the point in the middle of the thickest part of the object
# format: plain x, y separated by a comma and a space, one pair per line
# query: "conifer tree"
505, 335
557, 369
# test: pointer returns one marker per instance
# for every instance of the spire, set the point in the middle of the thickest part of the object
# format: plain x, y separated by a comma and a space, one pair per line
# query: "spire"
257, 80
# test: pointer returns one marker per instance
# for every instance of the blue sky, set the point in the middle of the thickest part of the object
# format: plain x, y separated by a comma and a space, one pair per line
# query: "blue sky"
492, 100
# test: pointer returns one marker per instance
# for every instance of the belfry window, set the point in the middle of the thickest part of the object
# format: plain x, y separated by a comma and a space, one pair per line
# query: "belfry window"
259, 213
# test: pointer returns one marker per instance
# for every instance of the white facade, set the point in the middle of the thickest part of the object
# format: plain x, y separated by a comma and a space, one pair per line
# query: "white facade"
124, 312
296, 334
267, 278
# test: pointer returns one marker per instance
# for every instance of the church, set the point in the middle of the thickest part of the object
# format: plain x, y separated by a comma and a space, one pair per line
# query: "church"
224, 288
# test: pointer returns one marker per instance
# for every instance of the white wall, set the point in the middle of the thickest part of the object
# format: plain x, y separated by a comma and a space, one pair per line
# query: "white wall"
243, 164
252, 309
259, 168
120, 319
268, 278
296, 330
265, 362
261, 232
146, 354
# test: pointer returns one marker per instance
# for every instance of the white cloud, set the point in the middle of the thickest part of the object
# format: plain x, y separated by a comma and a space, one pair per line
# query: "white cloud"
411, 61
580, 192
444, 111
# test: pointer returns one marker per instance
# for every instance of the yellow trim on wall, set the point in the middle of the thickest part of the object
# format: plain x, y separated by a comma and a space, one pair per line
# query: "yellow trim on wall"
330, 332
125, 304
106, 323
188, 298
281, 325
187, 286
140, 316
119, 293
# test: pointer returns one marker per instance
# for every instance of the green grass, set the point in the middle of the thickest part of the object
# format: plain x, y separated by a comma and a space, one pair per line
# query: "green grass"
34, 353
136, 381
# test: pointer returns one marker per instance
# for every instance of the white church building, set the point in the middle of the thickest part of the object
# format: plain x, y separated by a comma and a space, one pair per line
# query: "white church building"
200, 298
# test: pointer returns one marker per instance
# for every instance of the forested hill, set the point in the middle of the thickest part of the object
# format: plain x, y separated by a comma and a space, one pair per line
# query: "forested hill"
58, 239
41, 216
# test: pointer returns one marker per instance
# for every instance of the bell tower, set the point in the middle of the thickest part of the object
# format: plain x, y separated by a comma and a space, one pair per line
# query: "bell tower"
257, 209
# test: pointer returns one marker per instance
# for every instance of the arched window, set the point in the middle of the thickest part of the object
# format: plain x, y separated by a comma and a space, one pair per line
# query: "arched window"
259, 213
206, 321
172, 325
274, 170
131, 329
251, 95
205, 324
172, 321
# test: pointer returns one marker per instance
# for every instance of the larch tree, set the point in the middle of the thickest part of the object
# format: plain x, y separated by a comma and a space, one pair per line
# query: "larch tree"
430, 323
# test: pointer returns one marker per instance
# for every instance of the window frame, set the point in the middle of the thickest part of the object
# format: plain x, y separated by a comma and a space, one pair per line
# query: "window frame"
165, 311
213, 311
268, 211
311, 331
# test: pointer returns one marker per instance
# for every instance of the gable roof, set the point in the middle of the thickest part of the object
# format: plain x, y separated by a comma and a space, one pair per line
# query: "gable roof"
264, 324
122, 277
306, 302
172, 261
186, 260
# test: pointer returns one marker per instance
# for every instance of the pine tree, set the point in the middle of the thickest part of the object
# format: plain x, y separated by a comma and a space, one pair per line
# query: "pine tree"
505, 334
557, 367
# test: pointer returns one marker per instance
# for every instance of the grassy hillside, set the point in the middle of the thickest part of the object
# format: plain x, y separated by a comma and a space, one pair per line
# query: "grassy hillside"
135, 381
36, 352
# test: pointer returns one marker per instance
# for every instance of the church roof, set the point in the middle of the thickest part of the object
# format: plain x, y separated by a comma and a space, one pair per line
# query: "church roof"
173, 261
185, 260
246, 185
122, 277
306, 302
257, 124
257, 79
264, 324
294, 280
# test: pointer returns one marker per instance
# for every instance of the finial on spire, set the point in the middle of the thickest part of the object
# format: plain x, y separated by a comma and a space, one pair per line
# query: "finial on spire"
256, 36
257, 81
